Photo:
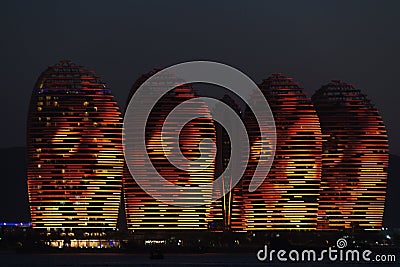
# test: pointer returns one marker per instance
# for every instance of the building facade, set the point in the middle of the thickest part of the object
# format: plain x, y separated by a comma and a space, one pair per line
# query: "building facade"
143, 212
329, 170
355, 159
75, 158
288, 197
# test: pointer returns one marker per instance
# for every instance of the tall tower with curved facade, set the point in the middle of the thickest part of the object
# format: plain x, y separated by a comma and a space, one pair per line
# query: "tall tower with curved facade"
355, 159
75, 158
143, 212
288, 197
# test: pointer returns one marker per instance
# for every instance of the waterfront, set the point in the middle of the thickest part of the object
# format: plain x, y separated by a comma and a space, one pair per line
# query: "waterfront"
111, 259
143, 259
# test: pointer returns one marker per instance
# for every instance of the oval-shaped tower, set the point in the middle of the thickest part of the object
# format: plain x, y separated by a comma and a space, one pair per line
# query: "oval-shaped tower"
288, 197
143, 212
355, 159
75, 158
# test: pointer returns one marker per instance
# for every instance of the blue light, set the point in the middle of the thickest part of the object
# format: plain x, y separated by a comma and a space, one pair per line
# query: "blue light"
20, 224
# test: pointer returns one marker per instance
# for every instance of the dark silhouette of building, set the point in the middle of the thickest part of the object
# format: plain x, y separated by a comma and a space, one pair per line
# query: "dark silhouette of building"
75, 158
14, 205
391, 217
355, 159
221, 209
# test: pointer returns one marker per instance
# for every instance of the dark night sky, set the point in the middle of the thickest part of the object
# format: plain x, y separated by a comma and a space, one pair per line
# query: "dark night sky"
311, 41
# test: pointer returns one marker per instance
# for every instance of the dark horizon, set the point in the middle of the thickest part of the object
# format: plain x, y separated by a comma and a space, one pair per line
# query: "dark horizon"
313, 42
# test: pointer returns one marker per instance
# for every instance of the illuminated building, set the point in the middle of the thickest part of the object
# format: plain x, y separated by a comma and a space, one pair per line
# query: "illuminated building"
75, 158
355, 159
143, 212
288, 197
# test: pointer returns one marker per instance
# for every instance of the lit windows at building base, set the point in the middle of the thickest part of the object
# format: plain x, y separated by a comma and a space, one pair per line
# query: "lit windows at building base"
84, 243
